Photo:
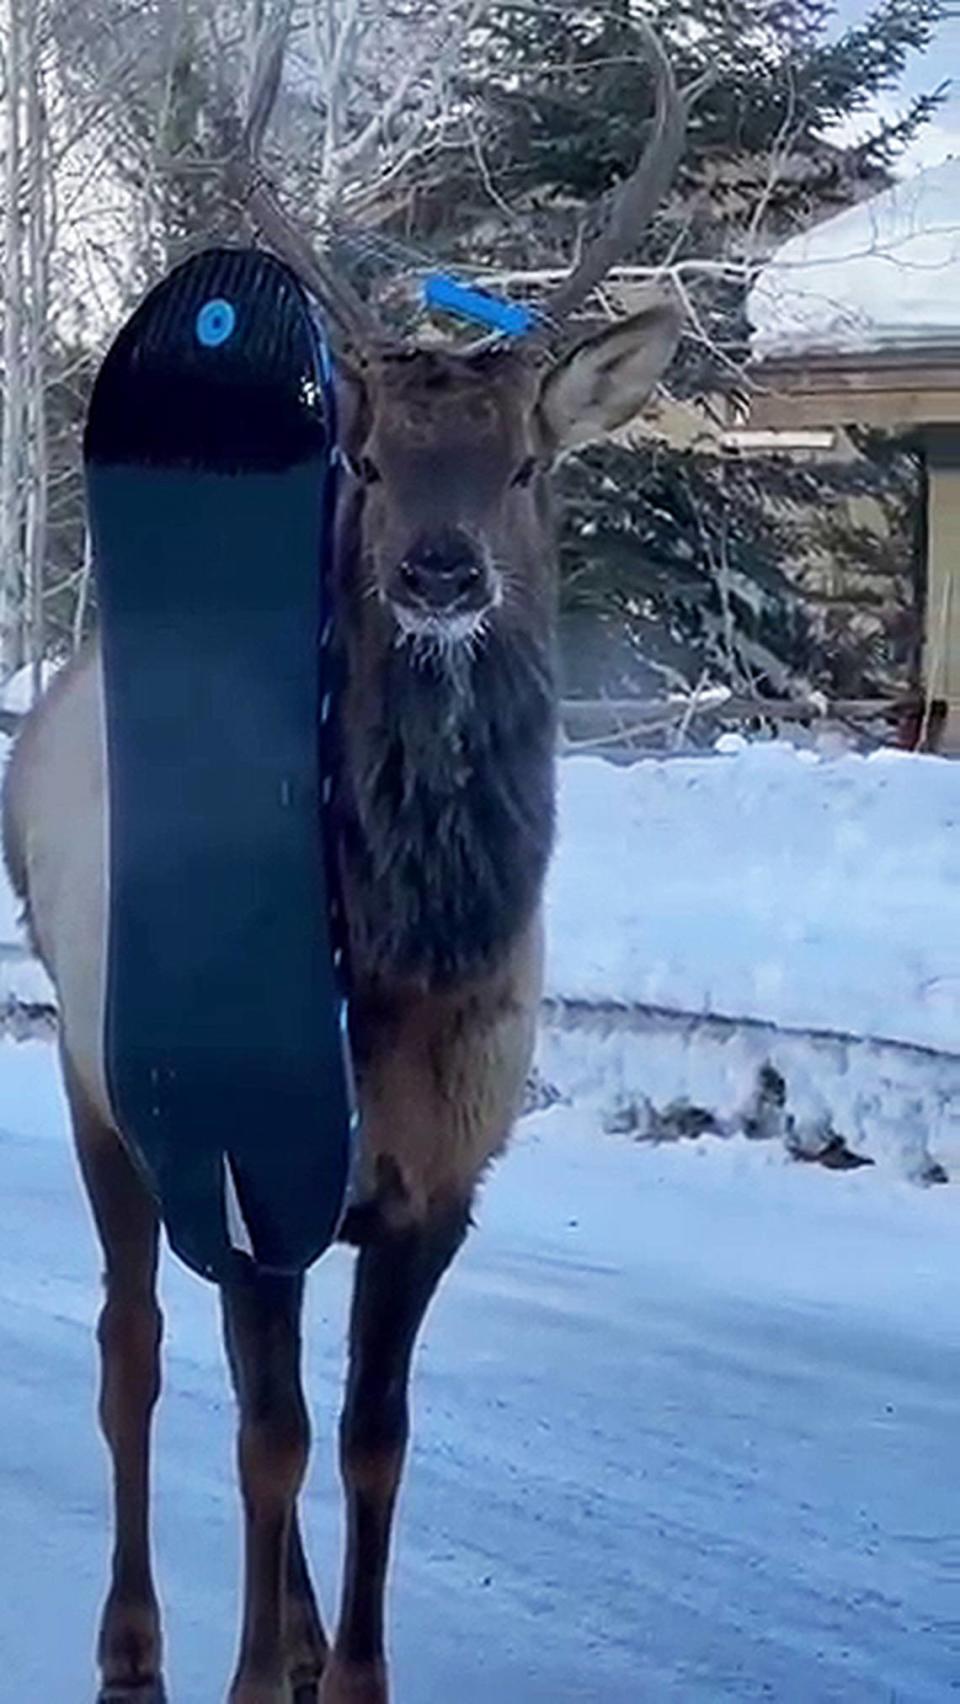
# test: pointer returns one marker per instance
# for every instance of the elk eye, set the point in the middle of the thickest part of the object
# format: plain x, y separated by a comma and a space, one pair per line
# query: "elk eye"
369, 471
525, 474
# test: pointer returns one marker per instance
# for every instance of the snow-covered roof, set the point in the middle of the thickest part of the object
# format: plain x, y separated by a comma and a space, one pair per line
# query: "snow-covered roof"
882, 276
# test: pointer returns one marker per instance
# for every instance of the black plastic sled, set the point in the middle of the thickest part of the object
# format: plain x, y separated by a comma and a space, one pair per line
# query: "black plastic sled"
210, 465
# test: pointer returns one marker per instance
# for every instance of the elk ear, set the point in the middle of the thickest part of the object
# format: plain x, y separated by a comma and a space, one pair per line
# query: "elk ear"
603, 383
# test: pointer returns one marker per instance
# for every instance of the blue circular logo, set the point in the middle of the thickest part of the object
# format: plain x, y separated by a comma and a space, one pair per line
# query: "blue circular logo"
216, 323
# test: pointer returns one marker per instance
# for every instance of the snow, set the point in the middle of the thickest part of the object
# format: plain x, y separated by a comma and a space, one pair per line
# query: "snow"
17, 691
882, 275
22, 979
640, 1071
764, 883
686, 1430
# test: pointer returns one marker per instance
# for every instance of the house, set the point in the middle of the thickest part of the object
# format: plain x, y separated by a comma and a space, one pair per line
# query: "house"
857, 323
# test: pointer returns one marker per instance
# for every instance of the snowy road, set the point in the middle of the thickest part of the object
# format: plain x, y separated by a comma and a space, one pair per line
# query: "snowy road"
688, 1428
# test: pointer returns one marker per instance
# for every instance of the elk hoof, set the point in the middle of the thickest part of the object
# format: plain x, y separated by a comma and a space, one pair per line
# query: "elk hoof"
261, 1692
354, 1683
305, 1681
129, 1653
307, 1651
305, 1685
263, 1695
150, 1692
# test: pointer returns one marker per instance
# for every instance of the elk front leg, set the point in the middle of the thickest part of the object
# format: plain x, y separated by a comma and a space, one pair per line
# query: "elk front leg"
397, 1275
282, 1643
129, 1650
306, 1640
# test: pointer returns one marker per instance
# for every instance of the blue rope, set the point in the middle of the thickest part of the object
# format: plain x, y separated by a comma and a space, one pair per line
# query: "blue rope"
441, 291
511, 319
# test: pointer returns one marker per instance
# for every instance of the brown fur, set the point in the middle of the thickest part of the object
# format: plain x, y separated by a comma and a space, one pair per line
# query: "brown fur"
442, 1077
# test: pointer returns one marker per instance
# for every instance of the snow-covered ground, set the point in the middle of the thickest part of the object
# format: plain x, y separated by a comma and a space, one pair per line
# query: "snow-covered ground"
687, 1424
884, 274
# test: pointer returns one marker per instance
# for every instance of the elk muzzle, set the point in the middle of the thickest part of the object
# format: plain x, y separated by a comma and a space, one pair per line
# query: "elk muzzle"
445, 582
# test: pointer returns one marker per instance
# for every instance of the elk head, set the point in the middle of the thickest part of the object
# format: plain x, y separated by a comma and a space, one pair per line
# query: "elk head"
447, 451
449, 454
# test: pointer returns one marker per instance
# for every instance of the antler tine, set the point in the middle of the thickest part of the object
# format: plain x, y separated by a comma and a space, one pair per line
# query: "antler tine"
350, 312
265, 80
636, 199
347, 307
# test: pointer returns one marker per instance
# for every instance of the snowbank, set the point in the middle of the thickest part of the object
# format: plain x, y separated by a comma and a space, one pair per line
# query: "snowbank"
659, 1077
766, 883
882, 275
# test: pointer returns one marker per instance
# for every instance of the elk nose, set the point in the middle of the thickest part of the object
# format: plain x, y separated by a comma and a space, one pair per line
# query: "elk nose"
442, 572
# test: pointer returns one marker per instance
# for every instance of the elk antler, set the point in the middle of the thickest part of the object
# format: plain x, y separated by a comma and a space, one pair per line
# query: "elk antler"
635, 201
631, 206
350, 312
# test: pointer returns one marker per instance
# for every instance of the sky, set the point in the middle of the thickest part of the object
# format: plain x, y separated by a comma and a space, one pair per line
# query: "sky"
926, 71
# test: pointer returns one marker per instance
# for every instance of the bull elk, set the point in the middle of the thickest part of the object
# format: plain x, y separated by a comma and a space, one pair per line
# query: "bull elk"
443, 811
